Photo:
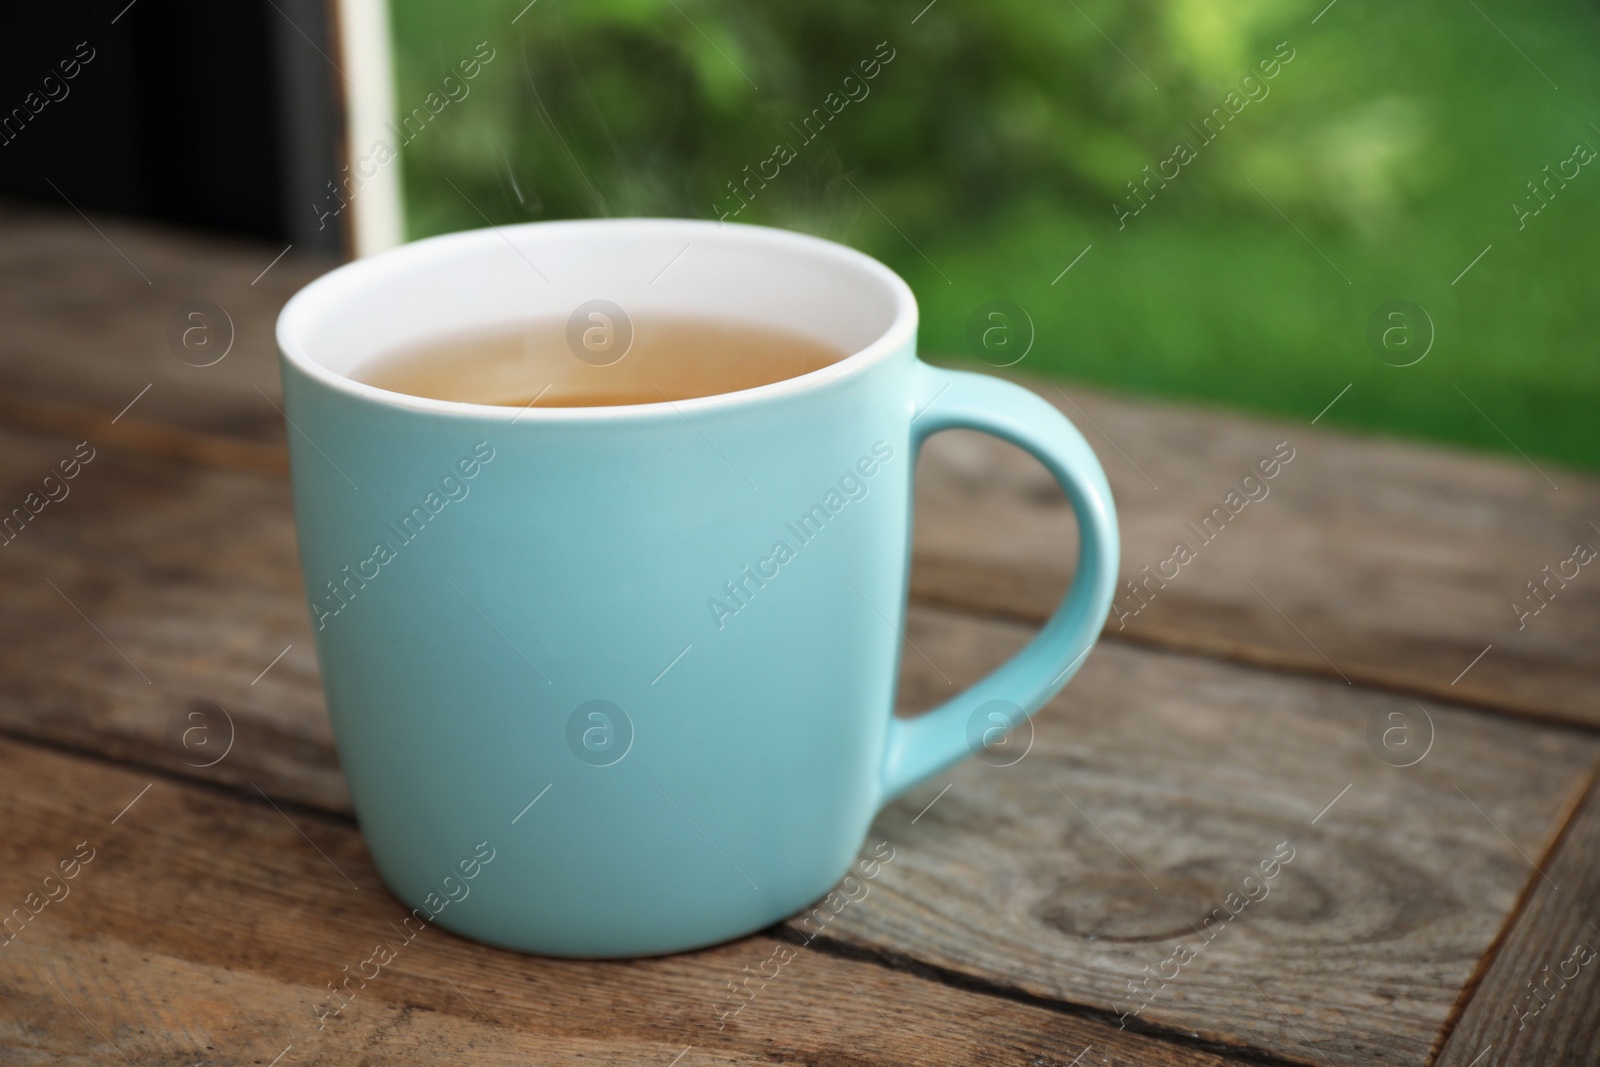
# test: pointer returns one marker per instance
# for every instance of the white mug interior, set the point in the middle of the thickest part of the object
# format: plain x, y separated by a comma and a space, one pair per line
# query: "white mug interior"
485, 280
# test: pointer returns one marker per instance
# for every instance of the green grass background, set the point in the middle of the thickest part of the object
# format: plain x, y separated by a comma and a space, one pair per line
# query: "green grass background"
1210, 293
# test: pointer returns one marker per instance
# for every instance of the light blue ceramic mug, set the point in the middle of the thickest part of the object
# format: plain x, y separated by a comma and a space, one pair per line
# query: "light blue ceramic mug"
618, 681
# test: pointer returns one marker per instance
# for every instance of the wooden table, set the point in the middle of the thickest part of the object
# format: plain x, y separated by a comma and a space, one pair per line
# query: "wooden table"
1335, 685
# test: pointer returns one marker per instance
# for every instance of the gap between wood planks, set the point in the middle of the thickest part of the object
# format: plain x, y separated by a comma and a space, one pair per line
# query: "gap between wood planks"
1564, 824
1553, 841
146, 438
262, 458
228, 453
890, 961
896, 961
1226, 650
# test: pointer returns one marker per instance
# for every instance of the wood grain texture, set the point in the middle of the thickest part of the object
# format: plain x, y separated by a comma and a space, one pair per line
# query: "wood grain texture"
1387, 563
1156, 784
87, 327
161, 439
206, 928
1195, 769
142, 610
1539, 1001
1392, 564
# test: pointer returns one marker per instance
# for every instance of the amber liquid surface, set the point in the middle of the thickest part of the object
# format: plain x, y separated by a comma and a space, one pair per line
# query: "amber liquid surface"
606, 362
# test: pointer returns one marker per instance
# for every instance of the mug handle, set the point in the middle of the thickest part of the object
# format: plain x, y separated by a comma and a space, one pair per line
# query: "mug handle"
921, 747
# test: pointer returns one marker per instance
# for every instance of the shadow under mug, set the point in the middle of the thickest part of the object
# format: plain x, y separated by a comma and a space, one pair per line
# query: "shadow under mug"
619, 681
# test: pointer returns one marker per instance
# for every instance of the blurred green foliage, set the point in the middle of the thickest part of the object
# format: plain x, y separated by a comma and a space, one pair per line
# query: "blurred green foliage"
998, 142
629, 107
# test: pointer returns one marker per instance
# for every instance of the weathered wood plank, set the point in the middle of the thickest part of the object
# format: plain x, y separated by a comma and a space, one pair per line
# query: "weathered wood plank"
1196, 769
142, 610
1392, 564
1539, 1001
87, 327
204, 927
1157, 784
55, 419
1474, 521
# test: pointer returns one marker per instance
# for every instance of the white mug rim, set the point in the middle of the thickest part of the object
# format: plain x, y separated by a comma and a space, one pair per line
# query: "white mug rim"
318, 294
